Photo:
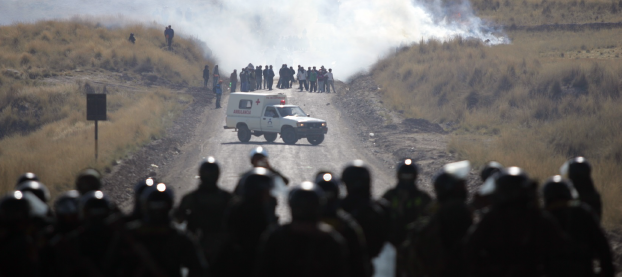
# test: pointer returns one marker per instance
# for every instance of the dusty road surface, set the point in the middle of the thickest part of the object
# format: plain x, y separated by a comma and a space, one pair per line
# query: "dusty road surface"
299, 162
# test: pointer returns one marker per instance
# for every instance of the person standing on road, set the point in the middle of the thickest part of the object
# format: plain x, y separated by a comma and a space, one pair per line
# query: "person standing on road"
270, 77
320, 80
218, 91
258, 73
265, 77
330, 81
234, 80
205, 76
243, 80
292, 74
313, 80
282, 77
302, 78
132, 39
252, 84
216, 76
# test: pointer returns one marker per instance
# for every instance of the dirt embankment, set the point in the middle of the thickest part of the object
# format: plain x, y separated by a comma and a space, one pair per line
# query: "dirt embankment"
392, 137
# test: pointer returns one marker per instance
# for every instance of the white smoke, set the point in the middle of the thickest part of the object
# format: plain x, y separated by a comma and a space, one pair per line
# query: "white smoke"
346, 35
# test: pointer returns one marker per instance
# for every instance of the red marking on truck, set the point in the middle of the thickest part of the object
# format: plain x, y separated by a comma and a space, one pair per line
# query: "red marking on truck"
258, 102
242, 112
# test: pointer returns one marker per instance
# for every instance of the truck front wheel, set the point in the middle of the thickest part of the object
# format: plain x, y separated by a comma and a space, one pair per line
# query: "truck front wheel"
315, 140
270, 137
289, 135
244, 134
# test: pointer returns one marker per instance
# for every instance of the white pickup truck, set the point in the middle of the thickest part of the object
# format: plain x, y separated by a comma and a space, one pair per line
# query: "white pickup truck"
268, 115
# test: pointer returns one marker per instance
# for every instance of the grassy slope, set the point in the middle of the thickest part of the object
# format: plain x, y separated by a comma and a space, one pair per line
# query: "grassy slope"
44, 127
546, 97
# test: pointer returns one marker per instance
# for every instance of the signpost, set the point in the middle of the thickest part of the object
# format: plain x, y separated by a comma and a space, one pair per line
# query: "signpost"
96, 110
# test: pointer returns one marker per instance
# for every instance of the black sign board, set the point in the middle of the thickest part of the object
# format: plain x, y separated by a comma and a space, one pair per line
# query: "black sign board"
95, 106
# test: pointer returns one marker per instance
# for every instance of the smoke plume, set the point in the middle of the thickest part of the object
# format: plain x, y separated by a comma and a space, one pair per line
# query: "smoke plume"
346, 35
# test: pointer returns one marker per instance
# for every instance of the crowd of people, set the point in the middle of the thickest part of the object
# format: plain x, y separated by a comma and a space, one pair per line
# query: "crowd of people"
511, 227
254, 78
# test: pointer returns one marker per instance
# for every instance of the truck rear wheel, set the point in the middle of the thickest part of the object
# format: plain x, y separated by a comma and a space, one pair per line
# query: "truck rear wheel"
315, 140
289, 135
270, 137
244, 134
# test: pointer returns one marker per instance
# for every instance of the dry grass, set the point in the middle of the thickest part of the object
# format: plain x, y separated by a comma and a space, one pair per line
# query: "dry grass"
536, 12
43, 127
539, 107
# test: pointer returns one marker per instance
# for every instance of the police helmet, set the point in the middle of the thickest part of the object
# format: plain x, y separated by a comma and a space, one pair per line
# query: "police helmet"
329, 184
490, 169
450, 182
67, 203
259, 180
14, 208
306, 201
156, 202
36, 188
558, 189
209, 170
94, 205
407, 171
259, 151
357, 178
28, 176
576, 168
512, 185
88, 180
141, 185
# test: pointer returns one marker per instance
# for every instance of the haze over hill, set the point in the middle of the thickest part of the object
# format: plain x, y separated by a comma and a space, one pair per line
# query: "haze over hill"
349, 35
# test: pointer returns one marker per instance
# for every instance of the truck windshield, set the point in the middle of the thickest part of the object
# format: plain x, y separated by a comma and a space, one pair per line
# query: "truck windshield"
292, 111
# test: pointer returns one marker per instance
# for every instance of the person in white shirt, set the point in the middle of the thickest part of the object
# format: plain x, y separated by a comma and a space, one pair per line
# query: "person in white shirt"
302, 78
330, 81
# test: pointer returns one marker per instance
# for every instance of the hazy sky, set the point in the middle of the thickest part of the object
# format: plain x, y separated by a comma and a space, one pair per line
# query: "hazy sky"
347, 35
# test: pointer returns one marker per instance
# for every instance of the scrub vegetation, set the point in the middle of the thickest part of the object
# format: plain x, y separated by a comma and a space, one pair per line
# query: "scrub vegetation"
534, 103
43, 66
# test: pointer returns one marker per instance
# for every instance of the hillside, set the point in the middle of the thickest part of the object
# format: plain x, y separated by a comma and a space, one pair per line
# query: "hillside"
46, 69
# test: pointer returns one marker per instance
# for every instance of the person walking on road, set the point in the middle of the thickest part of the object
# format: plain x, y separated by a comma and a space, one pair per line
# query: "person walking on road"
205, 76
313, 80
234, 80
218, 91
330, 81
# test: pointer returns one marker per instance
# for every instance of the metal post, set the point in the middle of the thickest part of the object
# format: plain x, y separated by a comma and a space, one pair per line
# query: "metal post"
95, 140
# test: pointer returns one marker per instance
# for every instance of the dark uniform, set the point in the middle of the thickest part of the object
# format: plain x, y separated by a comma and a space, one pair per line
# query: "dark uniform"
371, 215
305, 247
579, 171
588, 241
248, 217
515, 238
234, 80
205, 76
204, 209
258, 77
18, 249
152, 246
270, 78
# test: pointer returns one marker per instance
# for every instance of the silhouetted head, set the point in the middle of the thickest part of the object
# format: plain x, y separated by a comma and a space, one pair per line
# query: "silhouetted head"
490, 169
28, 176
36, 188
513, 187
88, 180
259, 182
66, 209
157, 202
407, 173
357, 179
306, 201
557, 189
15, 211
330, 186
94, 207
450, 182
209, 171
579, 171
258, 154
